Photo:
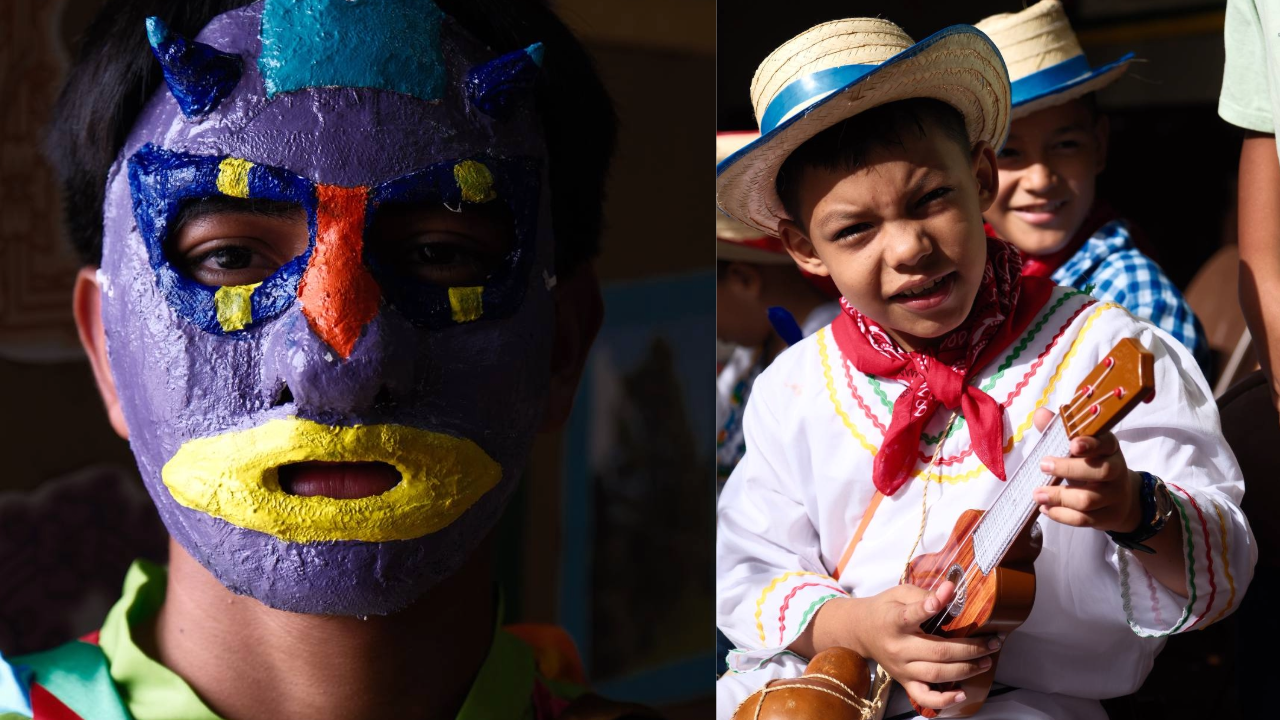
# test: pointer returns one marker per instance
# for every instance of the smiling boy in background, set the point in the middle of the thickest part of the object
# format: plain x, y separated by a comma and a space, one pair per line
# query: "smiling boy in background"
1047, 204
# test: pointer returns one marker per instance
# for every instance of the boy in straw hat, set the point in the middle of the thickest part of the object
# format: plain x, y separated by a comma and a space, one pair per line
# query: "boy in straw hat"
1046, 204
867, 440
756, 281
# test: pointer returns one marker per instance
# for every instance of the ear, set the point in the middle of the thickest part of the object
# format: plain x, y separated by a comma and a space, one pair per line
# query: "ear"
579, 312
985, 173
801, 249
1102, 136
86, 301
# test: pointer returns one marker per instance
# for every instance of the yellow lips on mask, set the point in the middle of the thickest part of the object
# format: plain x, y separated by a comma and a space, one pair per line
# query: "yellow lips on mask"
234, 476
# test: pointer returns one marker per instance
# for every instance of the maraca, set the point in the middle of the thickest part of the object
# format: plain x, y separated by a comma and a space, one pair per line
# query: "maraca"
835, 686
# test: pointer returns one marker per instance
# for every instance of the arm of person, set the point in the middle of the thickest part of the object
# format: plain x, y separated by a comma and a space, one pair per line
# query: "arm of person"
1205, 553
1104, 494
1246, 102
1259, 238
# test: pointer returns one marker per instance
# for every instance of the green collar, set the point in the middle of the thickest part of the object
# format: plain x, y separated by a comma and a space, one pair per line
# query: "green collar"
501, 691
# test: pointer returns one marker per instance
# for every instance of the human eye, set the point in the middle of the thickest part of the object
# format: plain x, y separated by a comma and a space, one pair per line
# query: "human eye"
1008, 153
856, 231
445, 258
932, 195
229, 261
241, 245
440, 246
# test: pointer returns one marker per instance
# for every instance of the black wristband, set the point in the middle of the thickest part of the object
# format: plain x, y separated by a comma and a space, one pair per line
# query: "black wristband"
1152, 520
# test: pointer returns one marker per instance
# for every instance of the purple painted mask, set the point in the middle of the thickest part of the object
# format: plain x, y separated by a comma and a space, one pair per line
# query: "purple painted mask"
345, 110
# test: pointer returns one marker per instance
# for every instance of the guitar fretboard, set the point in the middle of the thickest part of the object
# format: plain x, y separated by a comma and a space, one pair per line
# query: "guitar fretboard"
1000, 525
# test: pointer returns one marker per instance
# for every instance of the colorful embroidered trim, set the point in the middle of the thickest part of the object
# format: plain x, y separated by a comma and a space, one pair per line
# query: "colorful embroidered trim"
988, 385
786, 602
771, 587
1208, 554
1226, 564
835, 401
1013, 440
991, 381
1155, 598
1122, 556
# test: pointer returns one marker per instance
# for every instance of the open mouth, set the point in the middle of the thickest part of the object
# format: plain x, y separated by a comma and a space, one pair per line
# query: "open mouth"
301, 481
928, 294
339, 480
1040, 212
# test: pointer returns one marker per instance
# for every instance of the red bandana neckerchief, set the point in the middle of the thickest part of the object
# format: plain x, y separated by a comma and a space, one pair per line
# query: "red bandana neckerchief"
1005, 304
1046, 265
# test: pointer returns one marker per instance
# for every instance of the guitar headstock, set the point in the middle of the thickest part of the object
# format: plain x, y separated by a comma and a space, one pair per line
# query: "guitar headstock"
1125, 377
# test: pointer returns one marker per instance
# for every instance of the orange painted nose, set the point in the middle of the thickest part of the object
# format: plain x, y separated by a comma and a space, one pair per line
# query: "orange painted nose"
339, 296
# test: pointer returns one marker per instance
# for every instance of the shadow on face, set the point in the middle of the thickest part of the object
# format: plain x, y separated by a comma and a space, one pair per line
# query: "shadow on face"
901, 234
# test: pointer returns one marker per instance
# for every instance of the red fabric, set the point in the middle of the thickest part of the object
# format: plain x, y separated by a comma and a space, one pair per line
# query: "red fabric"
91, 637
44, 706
1005, 304
1045, 265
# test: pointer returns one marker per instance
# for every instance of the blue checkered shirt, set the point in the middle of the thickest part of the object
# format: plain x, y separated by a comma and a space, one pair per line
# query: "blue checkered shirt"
1120, 273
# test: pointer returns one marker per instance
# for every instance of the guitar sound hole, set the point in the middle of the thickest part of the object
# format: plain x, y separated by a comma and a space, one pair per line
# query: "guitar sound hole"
956, 575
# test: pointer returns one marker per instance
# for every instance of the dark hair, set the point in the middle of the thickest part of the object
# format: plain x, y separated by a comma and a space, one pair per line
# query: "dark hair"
845, 145
115, 74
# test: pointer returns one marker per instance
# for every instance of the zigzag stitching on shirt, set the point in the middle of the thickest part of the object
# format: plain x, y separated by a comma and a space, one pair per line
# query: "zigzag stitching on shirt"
1013, 440
786, 602
1013, 395
1123, 557
1226, 564
771, 587
1208, 554
991, 381
1155, 599
1017, 390
835, 401
1057, 373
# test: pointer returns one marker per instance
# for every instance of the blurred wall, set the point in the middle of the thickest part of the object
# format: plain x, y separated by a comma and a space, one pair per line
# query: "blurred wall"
53, 422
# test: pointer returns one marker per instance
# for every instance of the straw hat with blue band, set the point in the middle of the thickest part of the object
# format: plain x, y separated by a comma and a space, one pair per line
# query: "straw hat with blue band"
1045, 61
735, 241
838, 69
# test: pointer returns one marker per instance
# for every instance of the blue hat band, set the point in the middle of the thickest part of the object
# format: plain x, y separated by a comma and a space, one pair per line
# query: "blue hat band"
807, 89
1042, 81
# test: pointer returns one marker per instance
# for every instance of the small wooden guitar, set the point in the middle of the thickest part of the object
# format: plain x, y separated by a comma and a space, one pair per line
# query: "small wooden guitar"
990, 555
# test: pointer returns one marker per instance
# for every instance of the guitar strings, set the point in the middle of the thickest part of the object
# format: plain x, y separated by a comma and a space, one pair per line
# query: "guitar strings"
1069, 417
1070, 425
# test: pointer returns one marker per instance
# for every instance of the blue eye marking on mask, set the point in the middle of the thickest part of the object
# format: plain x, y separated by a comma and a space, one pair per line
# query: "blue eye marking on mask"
161, 181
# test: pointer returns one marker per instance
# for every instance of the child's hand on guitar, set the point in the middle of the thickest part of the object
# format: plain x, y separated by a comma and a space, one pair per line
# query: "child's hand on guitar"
1101, 491
888, 631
